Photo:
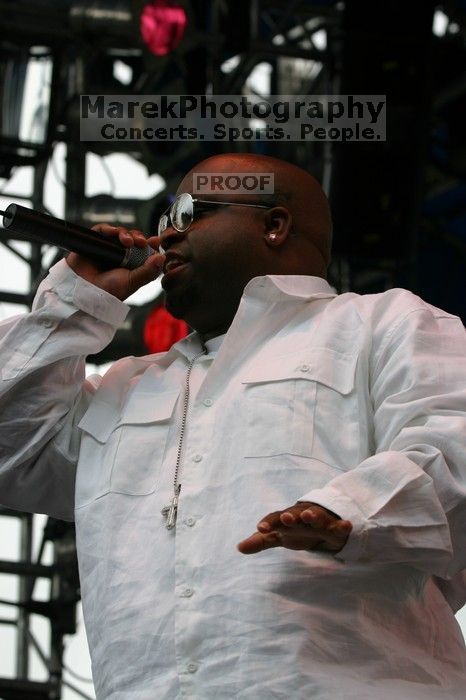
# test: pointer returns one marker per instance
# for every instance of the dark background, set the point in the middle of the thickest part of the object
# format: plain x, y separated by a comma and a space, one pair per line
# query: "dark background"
399, 206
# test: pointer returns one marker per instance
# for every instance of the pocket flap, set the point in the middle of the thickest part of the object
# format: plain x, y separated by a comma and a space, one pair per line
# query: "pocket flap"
324, 365
144, 407
101, 418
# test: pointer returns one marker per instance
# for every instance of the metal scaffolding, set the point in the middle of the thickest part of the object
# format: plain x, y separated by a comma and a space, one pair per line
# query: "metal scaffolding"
283, 35
59, 609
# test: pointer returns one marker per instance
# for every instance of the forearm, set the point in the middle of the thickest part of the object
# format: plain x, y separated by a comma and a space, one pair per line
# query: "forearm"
397, 516
43, 391
407, 501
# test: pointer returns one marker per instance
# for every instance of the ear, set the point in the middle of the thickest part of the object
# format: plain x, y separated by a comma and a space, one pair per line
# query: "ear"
278, 225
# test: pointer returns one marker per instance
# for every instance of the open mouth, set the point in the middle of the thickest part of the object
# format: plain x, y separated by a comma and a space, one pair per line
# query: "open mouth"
172, 265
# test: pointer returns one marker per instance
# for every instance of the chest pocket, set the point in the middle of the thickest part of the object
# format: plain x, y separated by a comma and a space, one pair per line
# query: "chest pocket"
123, 453
285, 398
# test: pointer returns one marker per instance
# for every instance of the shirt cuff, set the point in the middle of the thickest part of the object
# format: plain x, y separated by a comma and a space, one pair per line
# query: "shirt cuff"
355, 549
94, 301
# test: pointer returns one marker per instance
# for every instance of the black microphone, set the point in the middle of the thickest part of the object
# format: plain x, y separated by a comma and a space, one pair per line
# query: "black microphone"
106, 251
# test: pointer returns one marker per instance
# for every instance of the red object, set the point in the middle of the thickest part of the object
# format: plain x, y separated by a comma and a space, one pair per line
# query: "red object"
162, 26
161, 330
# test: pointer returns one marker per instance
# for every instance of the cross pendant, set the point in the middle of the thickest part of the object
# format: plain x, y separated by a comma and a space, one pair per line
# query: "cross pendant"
171, 511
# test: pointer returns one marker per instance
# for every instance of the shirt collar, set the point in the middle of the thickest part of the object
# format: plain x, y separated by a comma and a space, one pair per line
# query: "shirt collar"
269, 288
283, 287
213, 344
191, 346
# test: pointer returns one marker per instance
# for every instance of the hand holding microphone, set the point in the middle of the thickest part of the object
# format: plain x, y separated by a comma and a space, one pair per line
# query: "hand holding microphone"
114, 258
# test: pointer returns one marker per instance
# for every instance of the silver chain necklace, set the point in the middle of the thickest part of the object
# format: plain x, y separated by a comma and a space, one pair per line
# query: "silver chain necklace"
170, 511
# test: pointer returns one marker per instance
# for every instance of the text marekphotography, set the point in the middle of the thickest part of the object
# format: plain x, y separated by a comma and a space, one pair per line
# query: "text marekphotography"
115, 118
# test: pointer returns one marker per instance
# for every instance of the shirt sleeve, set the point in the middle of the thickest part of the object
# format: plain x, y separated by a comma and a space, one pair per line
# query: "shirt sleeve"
44, 392
407, 501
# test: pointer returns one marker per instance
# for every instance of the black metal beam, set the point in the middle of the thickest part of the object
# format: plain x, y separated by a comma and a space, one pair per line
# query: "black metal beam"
19, 689
21, 568
15, 298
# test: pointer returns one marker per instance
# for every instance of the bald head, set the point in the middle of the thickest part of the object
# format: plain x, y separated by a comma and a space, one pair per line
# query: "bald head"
224, 248
295, 189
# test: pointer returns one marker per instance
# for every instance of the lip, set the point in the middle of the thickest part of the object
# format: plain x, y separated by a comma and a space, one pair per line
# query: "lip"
172, 273
171, 255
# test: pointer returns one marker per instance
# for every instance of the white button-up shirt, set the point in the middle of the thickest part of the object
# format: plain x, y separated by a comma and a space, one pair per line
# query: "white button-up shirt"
357, 403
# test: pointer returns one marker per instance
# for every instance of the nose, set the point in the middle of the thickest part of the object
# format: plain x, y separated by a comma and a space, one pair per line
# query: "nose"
169, 237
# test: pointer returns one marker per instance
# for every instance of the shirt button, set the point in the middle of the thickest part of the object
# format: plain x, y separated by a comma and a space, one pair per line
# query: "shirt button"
197, 458
304, 368
207, 402
192, 668
187, 593
190, 521
47, 322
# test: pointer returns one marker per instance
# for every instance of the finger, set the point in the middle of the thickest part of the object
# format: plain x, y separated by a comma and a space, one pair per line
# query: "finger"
270, 521
138, 237
292, 516
342, 527
259, 541
153, 241
288, 518
306, 538
317, 517
126, 237
107, 229
334, 538
333, 531
146, 273
300, 538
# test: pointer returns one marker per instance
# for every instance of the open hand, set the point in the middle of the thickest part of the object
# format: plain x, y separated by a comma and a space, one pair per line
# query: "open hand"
302, 526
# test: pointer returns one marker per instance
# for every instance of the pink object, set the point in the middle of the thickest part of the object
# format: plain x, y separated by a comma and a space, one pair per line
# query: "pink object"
162, 26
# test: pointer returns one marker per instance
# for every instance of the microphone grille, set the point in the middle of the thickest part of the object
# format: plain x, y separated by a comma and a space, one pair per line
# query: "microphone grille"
135, 257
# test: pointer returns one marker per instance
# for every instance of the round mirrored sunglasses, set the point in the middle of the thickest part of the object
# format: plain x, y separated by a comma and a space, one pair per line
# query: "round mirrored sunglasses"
180, 214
